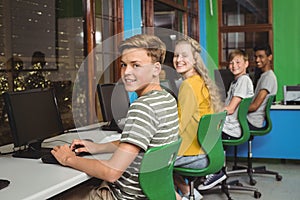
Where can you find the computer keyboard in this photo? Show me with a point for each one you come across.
(30, 153)
(50, 159)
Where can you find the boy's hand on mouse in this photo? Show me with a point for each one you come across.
(79, 146)
(63, 154)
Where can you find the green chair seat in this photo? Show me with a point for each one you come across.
(268, 126)
(209, 137)
(156, 172)
(242, 118)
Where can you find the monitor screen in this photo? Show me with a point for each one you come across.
(165, 84)
(33, 116)
(291, 94)
(114, 103)
(223, 79)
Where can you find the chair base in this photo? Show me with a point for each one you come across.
(249, 169)
(234, 185)
(253, 170)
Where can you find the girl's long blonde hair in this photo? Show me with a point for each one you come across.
(201, 69)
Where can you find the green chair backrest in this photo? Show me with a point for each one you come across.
(209, 137)
(156, 172)
(242, 118)
(268, 126)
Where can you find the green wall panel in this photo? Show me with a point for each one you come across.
(286, 30)
(286, 27)
(212, 34)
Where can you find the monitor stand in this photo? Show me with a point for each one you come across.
(33, 151)
(111, 126)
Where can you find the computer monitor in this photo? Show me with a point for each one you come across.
(114, 104)
(223, 79)
(165, 84)
(33, 116)
(291, 94)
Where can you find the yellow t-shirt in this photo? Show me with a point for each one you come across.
(193, 102)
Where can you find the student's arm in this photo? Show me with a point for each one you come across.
(262, 94)
(233, 104)
(108, 170)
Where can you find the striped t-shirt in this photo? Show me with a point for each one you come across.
(152, 121)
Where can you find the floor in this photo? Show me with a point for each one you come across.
(286, 189)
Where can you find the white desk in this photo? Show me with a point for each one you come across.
(285, 107)
(283, 140)
(32, 179)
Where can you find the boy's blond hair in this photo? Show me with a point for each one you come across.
(238, 52)
(155, 48)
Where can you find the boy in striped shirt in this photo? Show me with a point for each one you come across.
(152, 121)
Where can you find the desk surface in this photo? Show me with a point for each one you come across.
(32, 179)
(285, 107)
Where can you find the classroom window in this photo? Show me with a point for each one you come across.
(243, 24)
(177, 15)
(43, 44)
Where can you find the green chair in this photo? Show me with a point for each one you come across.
(209, 137)
(156, 172)
(242, 118)
(260, 132)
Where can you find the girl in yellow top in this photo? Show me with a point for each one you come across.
(197, 96)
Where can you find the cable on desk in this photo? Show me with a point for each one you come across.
(14, 150)
(30, 147)
(6, 153)
(64, 141)
(81, 130)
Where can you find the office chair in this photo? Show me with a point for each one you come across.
(168, 88)
(209, 137)
(242, 118)
(156, 172)
(258, 132)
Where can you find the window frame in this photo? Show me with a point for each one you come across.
(178, 5)
(243, 29)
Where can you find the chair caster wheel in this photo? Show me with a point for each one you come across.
(278, 177)
(252, 182)
(257, 195)
(239, 184)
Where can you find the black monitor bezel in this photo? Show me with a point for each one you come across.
(223, 79)
(11, 117)
(106, 104)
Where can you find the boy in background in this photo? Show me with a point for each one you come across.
(266, 86)
(240, 88)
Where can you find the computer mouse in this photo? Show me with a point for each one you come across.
(4, 183)
(79, 145)
(81, 153)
